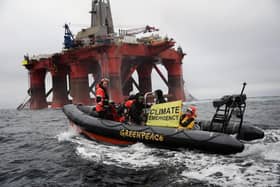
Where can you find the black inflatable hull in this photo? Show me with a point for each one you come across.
(247, 132)
(126, 134)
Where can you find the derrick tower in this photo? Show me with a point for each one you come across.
(96, 52)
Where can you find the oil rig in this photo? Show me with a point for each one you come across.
(97, 52)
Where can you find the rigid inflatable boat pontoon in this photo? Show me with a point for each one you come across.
(215, 136)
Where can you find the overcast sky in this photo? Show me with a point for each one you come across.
(227, 41)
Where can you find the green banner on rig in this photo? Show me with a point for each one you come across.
(165, 114)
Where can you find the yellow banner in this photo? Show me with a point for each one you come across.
(165, 114)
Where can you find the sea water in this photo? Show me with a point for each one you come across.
(38, 148)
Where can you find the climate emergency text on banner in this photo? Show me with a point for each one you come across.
(165, 114)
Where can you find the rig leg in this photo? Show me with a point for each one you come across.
(37, 89)
(144, 74)
(114, 72)
(127, 88)
(59, 82)
(79, 86)
(175, 80)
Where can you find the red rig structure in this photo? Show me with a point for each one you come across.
(99, 52)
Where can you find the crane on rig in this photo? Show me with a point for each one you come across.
(132, 32)
(68, 37)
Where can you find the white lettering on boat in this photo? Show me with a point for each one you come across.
(150, 136)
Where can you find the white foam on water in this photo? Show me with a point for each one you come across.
(269, 151)
(216, 174)
(136, 156)
(272, 152)
(257, 165)
(222, 171)
(268, 148)
(87, 154)
(67, 136)
(87, 149)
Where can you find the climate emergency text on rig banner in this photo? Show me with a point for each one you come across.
(165, 114)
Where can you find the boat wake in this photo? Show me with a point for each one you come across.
(267, 149)
(255, 166)
(67, 135)
(135, 156)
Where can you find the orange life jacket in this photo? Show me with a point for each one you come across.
(99, 107)
(100, 92)
(127, 106)
(101, 95)
(129, 103)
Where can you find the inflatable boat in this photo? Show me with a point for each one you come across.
(224, 134)
(117, 133)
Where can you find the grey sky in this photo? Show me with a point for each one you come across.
(227, 41)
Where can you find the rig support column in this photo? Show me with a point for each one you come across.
(127, 88)
(59, 82)
(114, 72)
(79, 88)
(144, 75)
(37, 89)
(175, 80)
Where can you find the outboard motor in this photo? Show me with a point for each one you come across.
(228, 117)
(226, 107)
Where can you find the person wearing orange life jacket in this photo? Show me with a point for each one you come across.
(188, 120)
(113, 113)
(105, 108)
(127, 106)
(102, 97)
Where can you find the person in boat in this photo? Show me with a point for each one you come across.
(159, 98)
(105, 108)
(101, 90)
(135, 112)
(188, 119)
(102, 98)
(127, 106)
(112, 113)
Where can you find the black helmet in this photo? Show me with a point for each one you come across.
(158, 93)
